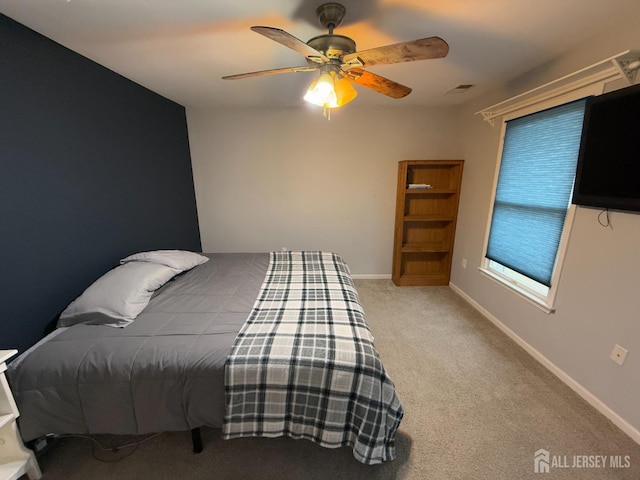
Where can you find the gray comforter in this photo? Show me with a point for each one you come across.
(164, 372)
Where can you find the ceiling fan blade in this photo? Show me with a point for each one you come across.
(422, 49)
(378, 83)
(273, 71)
(291, 42)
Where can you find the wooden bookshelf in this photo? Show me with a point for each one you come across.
(426, 221)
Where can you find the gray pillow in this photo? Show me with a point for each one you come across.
(179, 259)
(118, 297)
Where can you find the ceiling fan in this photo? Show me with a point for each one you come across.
(339, 63)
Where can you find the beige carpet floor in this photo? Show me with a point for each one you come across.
(476, 407)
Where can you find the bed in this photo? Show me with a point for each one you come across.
(264, 344)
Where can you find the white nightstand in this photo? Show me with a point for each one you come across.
(15, 458)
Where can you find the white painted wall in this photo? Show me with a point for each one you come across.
(598, 302)
(272, 178)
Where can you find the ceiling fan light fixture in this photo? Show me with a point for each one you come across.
(344, 91)
(330, 90)
(322, 92)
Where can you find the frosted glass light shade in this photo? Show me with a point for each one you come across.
(330, 91)
(321, 92)
(344, 91)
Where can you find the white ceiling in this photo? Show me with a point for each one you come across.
(181, 48)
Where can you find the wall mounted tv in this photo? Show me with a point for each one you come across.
(608, 171)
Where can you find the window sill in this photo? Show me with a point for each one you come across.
(521, 292)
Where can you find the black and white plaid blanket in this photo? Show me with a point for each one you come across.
(304, 363)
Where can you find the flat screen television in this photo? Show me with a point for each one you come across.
(608, 170)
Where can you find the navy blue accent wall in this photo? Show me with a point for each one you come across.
(93, 167)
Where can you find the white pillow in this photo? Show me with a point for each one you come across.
(118, 297)
(179, 259)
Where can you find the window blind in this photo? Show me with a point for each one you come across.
(537, 171)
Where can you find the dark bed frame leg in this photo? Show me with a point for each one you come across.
(196, 439)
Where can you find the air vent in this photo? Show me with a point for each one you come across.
(461, 88)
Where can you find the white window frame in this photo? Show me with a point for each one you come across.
(514, 281)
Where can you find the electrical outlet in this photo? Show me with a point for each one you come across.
(618, 354)
(464, 263)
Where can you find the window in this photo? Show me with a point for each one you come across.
(531, 207)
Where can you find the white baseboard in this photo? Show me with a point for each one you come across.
(371, 276)
(594, 401)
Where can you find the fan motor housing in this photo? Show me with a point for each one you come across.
(333, 46)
